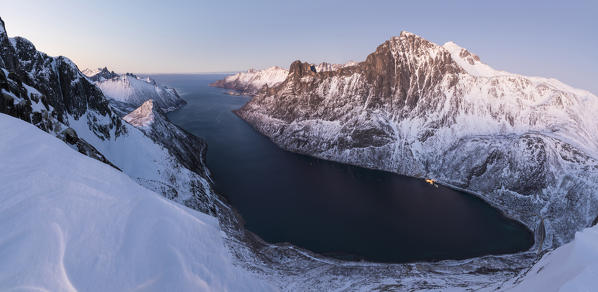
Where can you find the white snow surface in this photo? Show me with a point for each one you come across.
(258, 78)
(470, 62)
(143, 116)
(84, 226)
(90, 72)
(571, 267)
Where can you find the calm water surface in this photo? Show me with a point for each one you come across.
(330, 208)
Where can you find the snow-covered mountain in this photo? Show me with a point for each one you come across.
(51, 93)
(129, 91)
(85, 226)
(250, 82)
(71, 223)
(528, 145)
(75, 212)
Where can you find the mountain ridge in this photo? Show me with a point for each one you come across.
(52, 94)
(429, 111)
(128, 91)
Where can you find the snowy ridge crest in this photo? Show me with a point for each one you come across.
(252, 81)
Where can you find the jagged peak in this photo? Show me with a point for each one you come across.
(406, 33)
(299, 68)
(100, 74)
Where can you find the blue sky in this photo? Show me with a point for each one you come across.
(539, 38)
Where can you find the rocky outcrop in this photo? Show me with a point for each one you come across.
(527, 145)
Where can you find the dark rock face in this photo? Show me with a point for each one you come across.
(58, 80)
(411, 108)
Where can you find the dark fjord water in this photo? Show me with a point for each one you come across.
(330, 208)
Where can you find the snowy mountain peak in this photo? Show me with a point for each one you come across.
(470, 62)
(405, 33)
(89, 72)
(143, 116)
(252, 80)
(129, 91)
(100, 74)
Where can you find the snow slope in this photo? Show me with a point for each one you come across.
(253, 80)
(84, 226)
(143, 116)
(571, 267)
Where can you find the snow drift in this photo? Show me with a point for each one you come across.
(85, 226)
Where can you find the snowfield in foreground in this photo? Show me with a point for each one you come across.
(69, 222)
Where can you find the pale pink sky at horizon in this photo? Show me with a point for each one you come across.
(536, 38)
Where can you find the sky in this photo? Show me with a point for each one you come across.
(556, 39)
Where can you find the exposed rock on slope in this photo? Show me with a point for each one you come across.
(127, 92)
(528, 145)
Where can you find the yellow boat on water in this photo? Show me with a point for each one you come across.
(431, 181)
